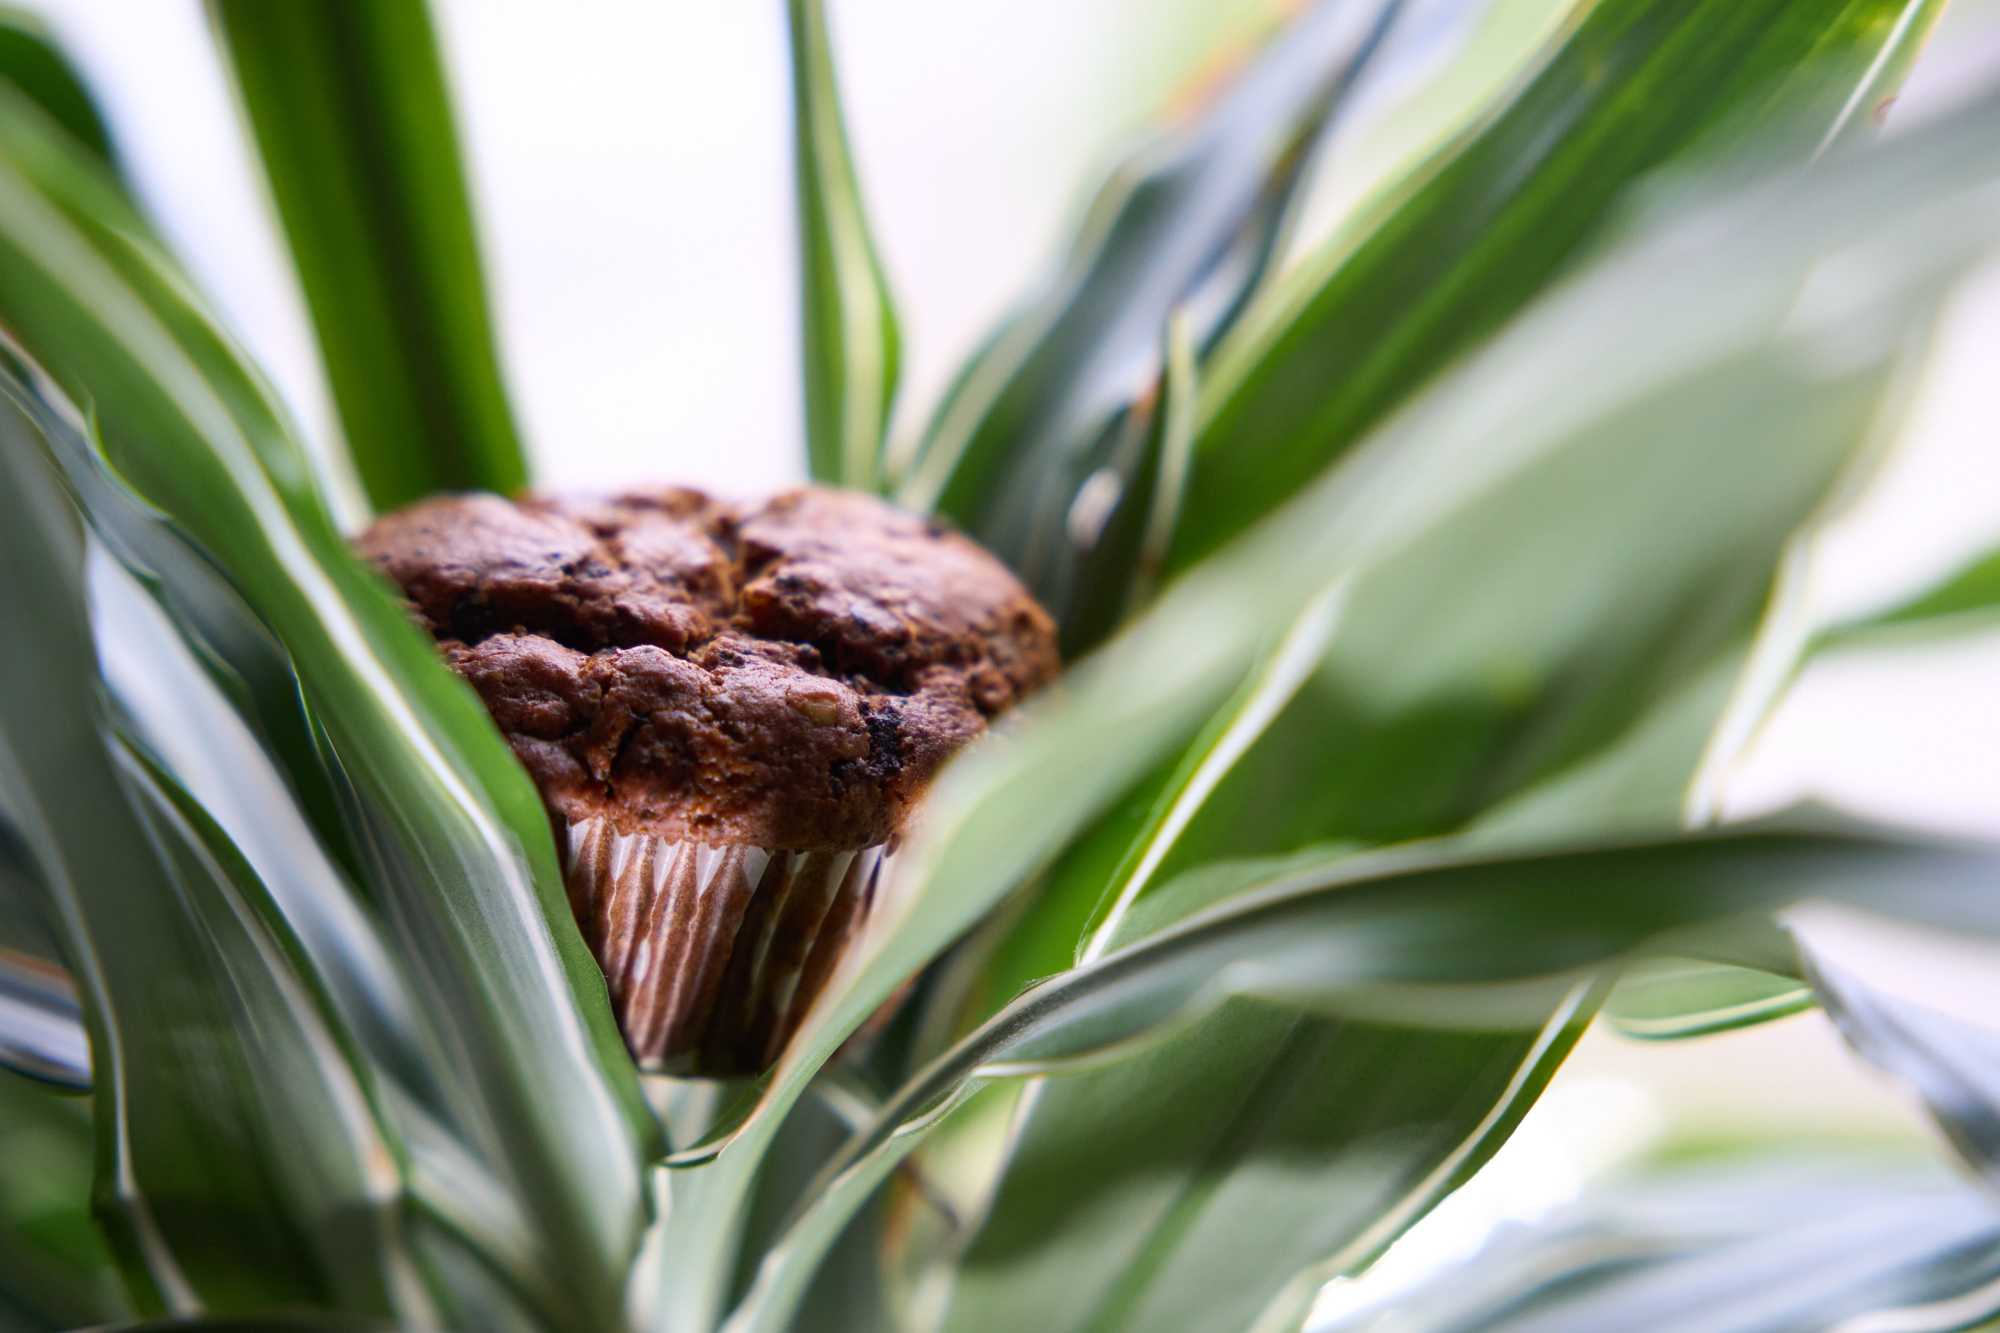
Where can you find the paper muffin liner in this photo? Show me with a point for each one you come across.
(713, 954)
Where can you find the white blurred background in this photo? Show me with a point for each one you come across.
(631, 166)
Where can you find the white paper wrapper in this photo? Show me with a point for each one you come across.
(713, 954)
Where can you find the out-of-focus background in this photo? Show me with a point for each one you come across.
(631, 167)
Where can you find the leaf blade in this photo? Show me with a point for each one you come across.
(1189, 224)
(354, 125)
(165, 945)
(33, 61)
(1815, 1241)
(454, 834)
(851, 345)
(1494, 219)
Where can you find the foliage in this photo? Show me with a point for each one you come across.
(1418, 593)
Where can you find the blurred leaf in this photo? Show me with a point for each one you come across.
(53, 1259)
(302, 1119)
(1966, 600)
(1055, 1243)
(1265, 1141)
(1483, 229)
(1121, 538)
(1571, 679)
(852, 348)
(217, 699)
(237, 654)
(1498, 665)
(1645, 778)
(23, 932)
(1951, 1064)
(1037, 423)
(1230, 733)
(452, 832)
(255, 1323)
(848, 1292)
(223, 1093)
(1098, 879)
(1668, 998)
(352, 117)
(42, 1034)
(1378, 933)
(1437, 934)
(33, 61)
(1728, 1248)
(181, 660)
(1510, 439)
(1179, 1189)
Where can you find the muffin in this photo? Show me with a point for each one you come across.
(729, 710)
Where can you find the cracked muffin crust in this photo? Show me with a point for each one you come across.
(686, 677)
(789, 674)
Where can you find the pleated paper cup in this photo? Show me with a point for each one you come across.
(713, 954)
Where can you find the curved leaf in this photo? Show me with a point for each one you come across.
(1513, 432)
(32, 60)
(850, 345)
(451, 831)
(1951, 1063)
(1472, 938)
(54, 1265)
(1037, 424)
(1266, 1143)
(1670, 998)
(1484, 228)
(1966, 600)
(1383, 931)
(1122, 519)
(207, 1116)
(348, 102)
(1531, 658)
(255, 1323)
(1809, 1242)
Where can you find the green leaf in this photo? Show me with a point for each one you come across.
(32, 60)
(455, 839)
(180, 667)
(53, 1259)
(1265, 1142)
(1669, 998)
(851, 347)
(1060, 1250)
(257, 1323)
(848, 1292)
(301, 1149)
(224, 1092)
(1503, 693)
(1037, 431)
(1376, 930)
(237, 653)
(1440, 934)
(1725, 345)
(1485, 226)
(1121, 539)
(1797, 1241)
(1966, 600)
(348, 102)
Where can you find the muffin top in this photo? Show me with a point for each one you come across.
(788, 673)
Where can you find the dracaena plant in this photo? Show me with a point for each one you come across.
(1419, 594)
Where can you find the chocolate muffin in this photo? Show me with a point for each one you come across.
(729, 710)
